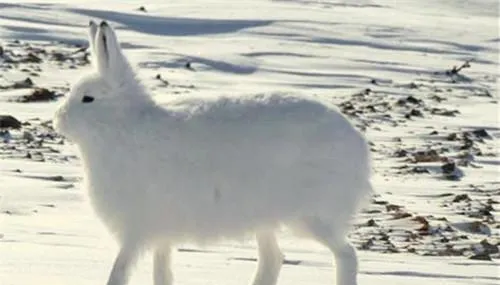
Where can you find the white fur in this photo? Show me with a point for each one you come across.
(205, 170)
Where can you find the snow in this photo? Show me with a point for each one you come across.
(328, 49)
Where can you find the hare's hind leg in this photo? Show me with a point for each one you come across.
(333, 237)
(270, 259)
(123, 263)
(162, 272)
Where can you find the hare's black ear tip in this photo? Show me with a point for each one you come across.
(92, 23)
(104, 24)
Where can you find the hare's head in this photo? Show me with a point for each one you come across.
(97, 101)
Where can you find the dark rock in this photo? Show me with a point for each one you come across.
(488, 247)
(481, 256)
(401, 153)
(9, 122)
(452, 137)
(468, 143)
(416, 113)
(31, 58)
(57, 56)
(413, 85)
(419, 169)
(438, 98)
(142, 9)
(426, 156)
(401, 215)
(413, 100)
(371, 223)
(367, 244)
(481, 133)
(392, 207)
(421, 219)
(444, 112)
(392, 248)
(371, 108)
(39, 94)
(491, 201)
(26, 83)
(189, 66)
(460, 198)
(448, 168)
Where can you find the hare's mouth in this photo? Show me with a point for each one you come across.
(57, 122)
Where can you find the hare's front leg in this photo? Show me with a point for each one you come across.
(123, 263)
(270, 259)
(162, 272)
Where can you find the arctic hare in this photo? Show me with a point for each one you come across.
(212, 169)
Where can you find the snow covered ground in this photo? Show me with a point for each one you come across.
(388, 64)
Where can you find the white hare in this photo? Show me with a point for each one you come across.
(212, 169)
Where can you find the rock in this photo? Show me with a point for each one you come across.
(420, 170)
(26, 83)
(451, 251)
(421, 219)
(414, 113)
(392, 207)
(371, 223)
(491, 201)
(367, 244)
(401, 153)
(481, 256)
(28, 136)
(401, 215)
(488, 247)
(5, 136)
(39, 94)
(189, 66)
(481, 133)
(9, 122)
(460, 198)
(413, 100)
(426, 156)
(450, 171)
(58, 56)
(30, 58)
(412, 85)
(479, 228)
(444, 112)
(391, 248)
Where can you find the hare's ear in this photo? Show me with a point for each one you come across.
(110, 60)
(92, 47)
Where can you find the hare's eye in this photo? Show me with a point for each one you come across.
(87, 99)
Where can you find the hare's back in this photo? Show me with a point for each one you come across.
(290, 154)
(232, 166)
